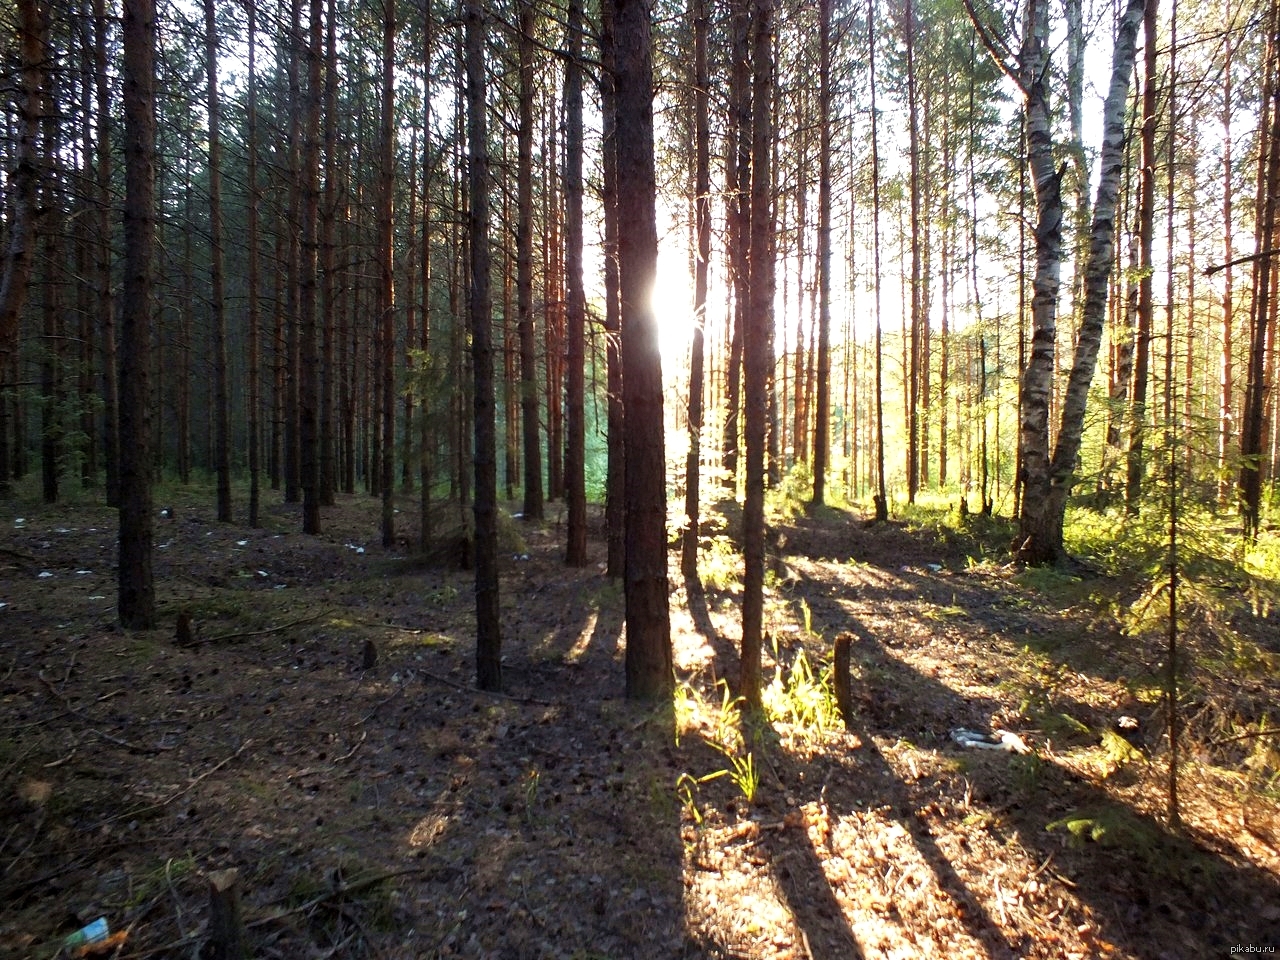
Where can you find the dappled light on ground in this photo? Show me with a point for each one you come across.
(322, 735)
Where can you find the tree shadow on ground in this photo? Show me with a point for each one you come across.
(1140, 886)
(724, 662)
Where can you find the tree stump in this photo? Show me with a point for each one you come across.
(840, 677)
(226, 929)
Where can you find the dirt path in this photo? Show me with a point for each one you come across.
(388, 810)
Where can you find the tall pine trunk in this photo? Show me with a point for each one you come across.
(479, 311)
(702, 235)
(308, 269)
(221, 400)
(136, 602)
(757, 351)
(252, 279)
(21, 224)
(533, 498)
(649, 660)
(575, 306)
(1256, 386)
(822, 417)
(881, 498)
(615, 492)
(386, 271)
(1146, 237)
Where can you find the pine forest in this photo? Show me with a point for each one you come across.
(639, 479)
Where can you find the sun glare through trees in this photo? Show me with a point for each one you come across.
(639, 478)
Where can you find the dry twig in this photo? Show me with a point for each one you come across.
(228, 637)
(160, 804)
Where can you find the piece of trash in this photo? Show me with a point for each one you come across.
(1127, 723)
(356, 548)
(263, 573)
(519, 556)
(3, 605)
(996, 740)
(45, 575)
(94, 932)
(96, 596)
(35, 792)
(242, 543)
(935, 567)
(103, 947)
(19, 521)
(81, 573)
(279, 586)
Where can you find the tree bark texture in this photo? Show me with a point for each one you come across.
(136, 595)
(21, 222)
(1046, 504)
(615, 492)
(575, 481)
(757, 355)
(533, 499)
(702, 237)
(649, 655)
(822, 417)
(221, 398)
(479, 310)
(386, 265)
(308, 275)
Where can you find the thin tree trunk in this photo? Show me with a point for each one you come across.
(488, 621)
(308, 360)
(292, 322)
(881, 498)
(916, 372)
(738, 187)
(701, 16)
(51, 352)
(21, 225)
(1038, 374)
(221, 400)
(426, 451)
(136, 602)
(102, 261)
(615, 493)
(822, 417)
(533, 499)
(386, 271)
(1146, 236)
(575, 297)
(1046, 541)
(252, 279)
(756, 351)
(1226, 375)
(330, 314)
(1256, 386)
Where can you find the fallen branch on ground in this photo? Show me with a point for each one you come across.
(160, 804)
(228, 637)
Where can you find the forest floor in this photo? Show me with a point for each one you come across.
(387, 809)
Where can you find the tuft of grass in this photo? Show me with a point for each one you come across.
(790, 499)
(803, 697)
(720, 564)
(160, 877)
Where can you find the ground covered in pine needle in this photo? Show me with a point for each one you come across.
(320, 736)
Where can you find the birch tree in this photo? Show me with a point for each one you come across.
(1048, 472)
